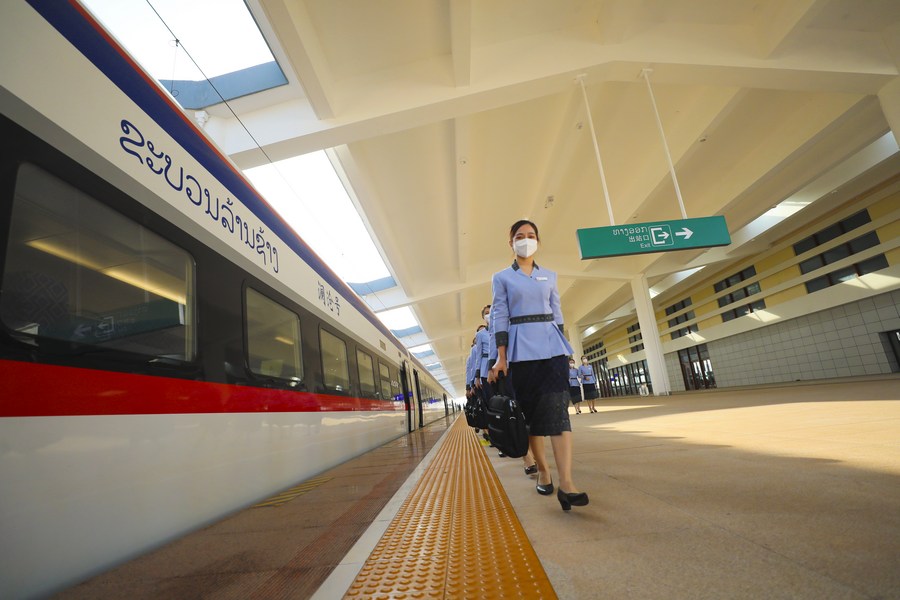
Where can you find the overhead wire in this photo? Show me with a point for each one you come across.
(178, 44)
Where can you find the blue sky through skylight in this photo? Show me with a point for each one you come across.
(220, 35)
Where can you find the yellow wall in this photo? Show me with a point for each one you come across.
(890, 231)
(773, 262)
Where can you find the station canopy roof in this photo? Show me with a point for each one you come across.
(447, 120)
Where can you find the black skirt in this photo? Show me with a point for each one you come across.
(575, 393)
(541, 387)
(590, 391)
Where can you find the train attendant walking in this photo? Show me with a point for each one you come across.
(470, 370)
(480, 357)
(488, 358)
(591, 389)
(574, 386)
(532, 351)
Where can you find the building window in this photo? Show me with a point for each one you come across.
(637, 337)
(840, 252)
(893, 341)
(681, 318)
(739, 294)
(627, 380)
(696, 368)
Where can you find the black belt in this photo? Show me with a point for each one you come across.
(530, 319)
(484, 355)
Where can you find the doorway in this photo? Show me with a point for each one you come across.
(696, 368)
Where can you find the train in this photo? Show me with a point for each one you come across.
(170, 350)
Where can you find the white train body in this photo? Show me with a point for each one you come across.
(103, 457)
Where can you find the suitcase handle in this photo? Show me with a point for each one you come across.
(504, 386)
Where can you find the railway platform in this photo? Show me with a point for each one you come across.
(764, 492)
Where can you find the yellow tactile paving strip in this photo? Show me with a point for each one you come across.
(288, 495)
(456, 536)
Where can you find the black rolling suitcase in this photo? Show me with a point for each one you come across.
(506, 423)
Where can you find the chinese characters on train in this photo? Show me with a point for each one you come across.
(329, 299)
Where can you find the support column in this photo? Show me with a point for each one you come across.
(650, 334)
(889, 97)
(574, 336)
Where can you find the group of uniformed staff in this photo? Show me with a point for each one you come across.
(522, 339)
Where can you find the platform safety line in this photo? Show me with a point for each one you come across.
(288, 495)
(455, 536)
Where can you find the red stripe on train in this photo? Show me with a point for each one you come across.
(38, 390)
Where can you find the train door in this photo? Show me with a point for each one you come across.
(407, 395)
(419, 399)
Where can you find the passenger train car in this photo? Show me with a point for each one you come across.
(170, 350)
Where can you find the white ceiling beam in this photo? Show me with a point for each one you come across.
(780, 22)
(295, 31)
(462, 131)
(616, 20)
(397, 100)
(461, 41)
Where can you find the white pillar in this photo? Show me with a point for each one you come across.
(650, 336)
(889, 97)
(575, 341)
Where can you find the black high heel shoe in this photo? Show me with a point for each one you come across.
(531, 470)
(544, 489)
(567, 501)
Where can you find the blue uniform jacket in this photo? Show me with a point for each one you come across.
(587, 374)
(492, 343)
(482, 352)
(519, 295)
(470, 366)
(573, 378)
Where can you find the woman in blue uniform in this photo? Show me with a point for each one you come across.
(574, 386)
(470, 370)
(531, 349)
(591, 392)
(488, 358)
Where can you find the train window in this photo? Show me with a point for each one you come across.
(334, 362)
(79, 272)
(273, 338)
(385, 374)
(366, 374)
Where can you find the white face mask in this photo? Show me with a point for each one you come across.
(487, 317)
(525, 247)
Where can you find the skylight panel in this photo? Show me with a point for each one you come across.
(309, 196)
(180, 42)
(398, 318)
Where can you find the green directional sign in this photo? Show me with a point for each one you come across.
(659, 236)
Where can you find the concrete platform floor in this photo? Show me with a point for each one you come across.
(781, 492)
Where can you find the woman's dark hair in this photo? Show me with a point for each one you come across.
(518, 224)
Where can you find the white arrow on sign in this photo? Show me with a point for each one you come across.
(687, 233)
